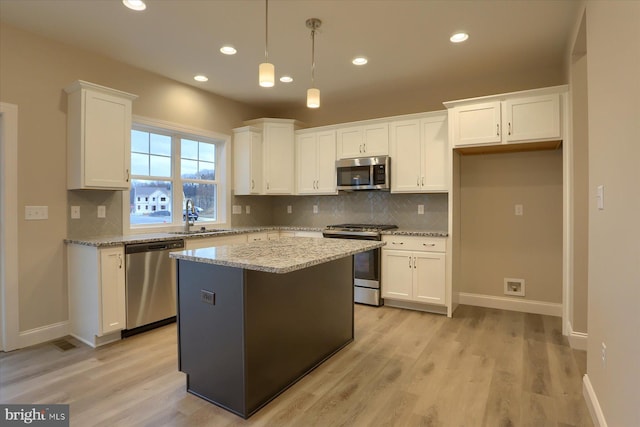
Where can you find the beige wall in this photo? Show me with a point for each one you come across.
(613, 67)
(33, 73)
(580, 185)
(497, 244)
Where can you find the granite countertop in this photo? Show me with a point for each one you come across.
(159, 237)
(278, 256)
(420, 233)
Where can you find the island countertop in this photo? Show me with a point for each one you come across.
(278, 256)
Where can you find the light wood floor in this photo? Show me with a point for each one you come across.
(483, 367)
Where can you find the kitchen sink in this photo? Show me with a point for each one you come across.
(191, 232)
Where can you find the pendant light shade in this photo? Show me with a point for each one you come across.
(313, 97)
(266, 70)
(313, 94)
(266, 74)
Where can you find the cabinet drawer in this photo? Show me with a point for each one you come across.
(413, 243)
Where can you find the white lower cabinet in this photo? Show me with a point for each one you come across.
(97, 307)
(413, 269)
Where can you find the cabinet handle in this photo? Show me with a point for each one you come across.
(360, 148)
(253, 184)
(120, 259)
(423, 181)
(414, 262)
(267, 185)
(428, 244)
(418, 181)
(364, 148)
(409, 262)
(497, 129)
(509, 128)
(397, 243)
(128, 176)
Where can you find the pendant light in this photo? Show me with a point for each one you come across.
(266, 71)
(313, 94)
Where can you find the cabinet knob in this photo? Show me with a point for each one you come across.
(120, 260)
(509, 128)
(128, 175)
(252, 184)
(497, 130)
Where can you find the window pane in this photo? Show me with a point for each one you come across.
(207, 170)
(160, 166)
(204, 198)
(142, 208)
(207, 152)
(139, 141)
(189, 169)
(160, 144)
(189, 149)
(139, 164)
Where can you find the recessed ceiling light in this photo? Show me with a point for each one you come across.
(200, 78)
(459, 37)
(286, 79)
(137, 5)
(228, 50)
(359, 60)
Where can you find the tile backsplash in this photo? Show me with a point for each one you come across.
(89, 225)
(357, 207)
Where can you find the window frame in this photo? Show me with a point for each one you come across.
(223, 176)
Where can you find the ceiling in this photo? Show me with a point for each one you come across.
(406, 41)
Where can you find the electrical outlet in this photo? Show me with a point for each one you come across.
(519, 210)
(102, 211)
(420, 209)
(514, 287)
(75, 212)
(600, 197)
(289, 209)
(236, 209)
(247, 209)
(315, 209)
(603, 355)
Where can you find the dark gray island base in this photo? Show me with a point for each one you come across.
(245, 336)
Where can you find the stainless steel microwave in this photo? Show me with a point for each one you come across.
(364, 173)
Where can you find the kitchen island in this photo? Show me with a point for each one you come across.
(254, 318)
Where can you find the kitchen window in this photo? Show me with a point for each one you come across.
(169, 166)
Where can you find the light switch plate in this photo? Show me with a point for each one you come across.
(519, 210)
(289, 209)
(36, 212)
(420, 209)
(315, 209)
(237, 209)
(600, 197)
(102, 211)
(75, 212)
(247, 209)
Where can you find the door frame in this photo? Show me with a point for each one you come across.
(9, 329)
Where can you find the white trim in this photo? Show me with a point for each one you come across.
(9, 331)
(437, 309)
(597, 416)
(577, 340)
(44, 334)
(504, 303)
(567, 210)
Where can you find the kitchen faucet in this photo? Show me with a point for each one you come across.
(187, 218)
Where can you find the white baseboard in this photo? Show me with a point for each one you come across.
(577, 340)
(43, 334)
(597, 416)
(513, 304)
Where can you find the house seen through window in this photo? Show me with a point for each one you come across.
(167, 168)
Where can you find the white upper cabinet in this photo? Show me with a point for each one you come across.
(363, 140)
(264, 157)
(419, 151)
(98, 137)
(529, 116)
(247, 171)
(315, 162)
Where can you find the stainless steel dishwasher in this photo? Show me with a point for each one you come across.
(150, 285)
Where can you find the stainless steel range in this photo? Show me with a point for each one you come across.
(366, 265)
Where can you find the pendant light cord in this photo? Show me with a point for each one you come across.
(266, 30)
(313, 56)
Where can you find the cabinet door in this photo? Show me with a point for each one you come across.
(306, 161)
(397, 274)
(106, 139)
(278, 148)
(326, 178)
(112, 290)
(534, 118)
(376, 139)
(429, 277)
(350, 142)
(406, 159)
(477, 124)
(435, 149)
(247, 162)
